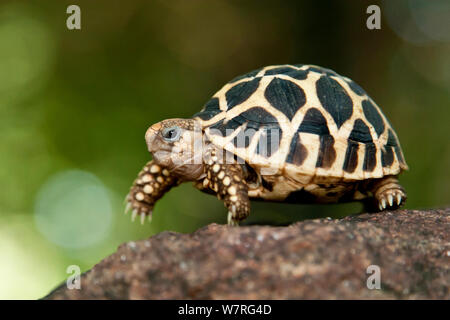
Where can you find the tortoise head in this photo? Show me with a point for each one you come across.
(176, 144)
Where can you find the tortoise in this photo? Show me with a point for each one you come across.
(286, 133)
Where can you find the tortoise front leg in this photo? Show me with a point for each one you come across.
(388, 193)
(151, 184)
(227, 181)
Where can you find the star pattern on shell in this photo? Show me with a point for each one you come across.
(326, 124)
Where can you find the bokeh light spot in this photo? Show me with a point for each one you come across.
(420, 22)
(73, 209)
(26, 53)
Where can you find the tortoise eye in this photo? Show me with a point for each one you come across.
(171, 134)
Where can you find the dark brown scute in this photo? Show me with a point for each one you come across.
(360, 132)
(288, 71)
(286, 96)
(297, 152)
(351, 157)
(370, 159)
(314, 122)
(392, 141)
(210, 110)
(279, 70)
(373, 116)
(241, 92)
(355, 87)
(269, 141)
(243, 138)
(224, 128)
(327, 153)
(335, 99)
(256, 117)
(387, 157)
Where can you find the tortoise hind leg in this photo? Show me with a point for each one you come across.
(388, 193)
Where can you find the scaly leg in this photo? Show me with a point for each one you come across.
(227, 181)
(388, 193)
(151, 184)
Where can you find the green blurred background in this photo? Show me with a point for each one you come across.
(74, 107)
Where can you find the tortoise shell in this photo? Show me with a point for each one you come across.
(314, 123)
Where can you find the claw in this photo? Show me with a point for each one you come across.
(391, 200)
(383, 203)
(133, 216)
(128, 207)
(399, 198)
(127, 199)
(380, 207)
(230, 220)
(142, 217)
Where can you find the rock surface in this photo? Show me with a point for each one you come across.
(314, 259)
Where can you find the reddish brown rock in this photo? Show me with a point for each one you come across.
(315, 259)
